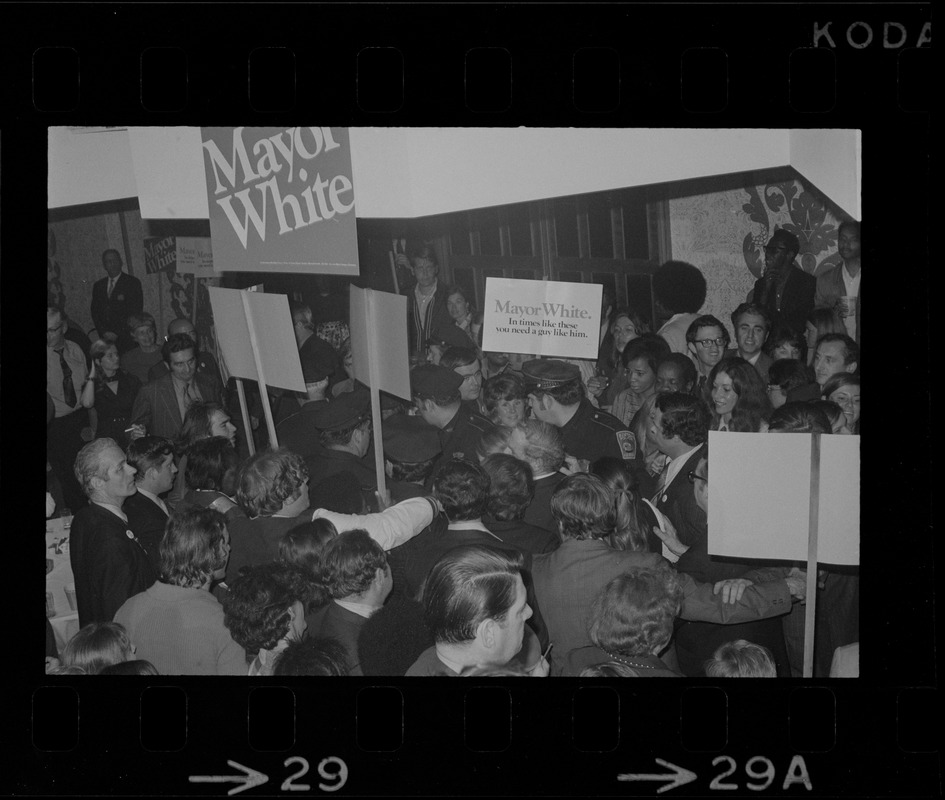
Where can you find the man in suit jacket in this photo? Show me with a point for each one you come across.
(359, 581)
(206, 363)
(752, 325)
(161, 404)
(153, 458)
(679, 427)
(568, 580)
(114, 299)
(697, 641)
(783, 290)
(109, 564)
(843, 280)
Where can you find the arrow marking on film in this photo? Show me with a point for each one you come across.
(250, 780)
(678, 777)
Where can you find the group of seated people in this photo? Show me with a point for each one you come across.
(541, 516)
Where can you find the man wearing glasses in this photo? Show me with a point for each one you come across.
(707, 340)
(783, 290)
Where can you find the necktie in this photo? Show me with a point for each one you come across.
(111, 285)
(190, 396)
(68, 390)
(661, 483)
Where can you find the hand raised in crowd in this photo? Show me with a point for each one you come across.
(383, 499)
(732, 589)
(136, 432)
(572, 465)
(401, 260)
(797, 583)
(596, 385)
(669, 538)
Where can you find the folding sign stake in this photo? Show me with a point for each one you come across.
(376, 418)
(811, 608)
(263, 394)
(247, 426)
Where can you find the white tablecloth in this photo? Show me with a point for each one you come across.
(66, 621)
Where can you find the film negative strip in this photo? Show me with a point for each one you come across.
(708, 68)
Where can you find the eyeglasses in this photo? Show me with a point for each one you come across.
(693, 478)
(720, 342)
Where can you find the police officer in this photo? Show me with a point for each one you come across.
(299, 431)
(436, 395)
(556, 396)
(344, 427)
(411, 449)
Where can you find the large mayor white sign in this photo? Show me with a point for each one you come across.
(542, 318)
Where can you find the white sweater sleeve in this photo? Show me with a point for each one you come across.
(389, 528)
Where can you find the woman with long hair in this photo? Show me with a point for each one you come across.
(738, 399)
(844, 390)
(635, 517)
(464, 315)
(111, 392)
(625, 326)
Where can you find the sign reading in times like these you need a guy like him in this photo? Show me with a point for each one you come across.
(281, 199)
(543, 318)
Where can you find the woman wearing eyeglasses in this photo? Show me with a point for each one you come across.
(738, 398)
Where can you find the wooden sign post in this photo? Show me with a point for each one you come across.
(762, 485)
(380, 356)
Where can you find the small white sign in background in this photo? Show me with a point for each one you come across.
(542, 318)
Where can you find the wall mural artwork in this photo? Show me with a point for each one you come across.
(795, 209)
(724, 233)
(55, 294)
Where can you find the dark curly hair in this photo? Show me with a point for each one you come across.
(752, 405)
(193, 547)
(350, 562)
(583, 506)
(463, 489)
(679, 287)
(511, 486)
(321, 657)
(633, 614)
(256, 608)
(684, 416)
(268, 479)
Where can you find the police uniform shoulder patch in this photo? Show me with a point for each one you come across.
(628, 444)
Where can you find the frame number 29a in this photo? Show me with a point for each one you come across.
(761, 772)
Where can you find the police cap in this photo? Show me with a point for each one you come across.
(432, 380)
(410, 439)
(345, 411)
(549, 373)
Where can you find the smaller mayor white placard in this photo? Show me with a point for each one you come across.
(542, 318)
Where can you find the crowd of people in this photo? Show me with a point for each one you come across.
(541, 517)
